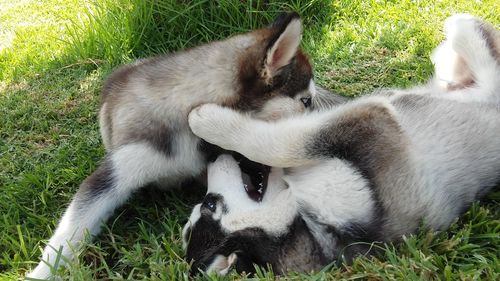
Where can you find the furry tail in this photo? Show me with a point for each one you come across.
(469, 57)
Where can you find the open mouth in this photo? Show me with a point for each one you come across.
(255, 176)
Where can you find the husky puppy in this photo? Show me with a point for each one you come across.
(369, 170)
(144, 125)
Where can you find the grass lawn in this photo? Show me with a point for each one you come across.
(54, 55)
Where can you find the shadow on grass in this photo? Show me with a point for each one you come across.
(117, 32)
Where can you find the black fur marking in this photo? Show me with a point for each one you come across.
(289, 81)
(210, 151)
(299, 250)
(204, 238)
(117, 80)
(253, 247)
(157, 134)
(292, 78)
(356, 239)
(489, 33)
(99, 182)
(210, 202)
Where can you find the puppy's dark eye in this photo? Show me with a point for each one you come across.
(210, 202)
(306, 101)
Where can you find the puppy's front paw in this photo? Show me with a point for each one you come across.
(205, 120)
(215, 124)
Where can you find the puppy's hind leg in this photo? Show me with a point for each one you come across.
(122, 172)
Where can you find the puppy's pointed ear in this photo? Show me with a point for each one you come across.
(287, 33)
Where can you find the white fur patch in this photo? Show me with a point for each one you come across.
(312, 88)
(445, 62)
(274, 218)
(333, 191)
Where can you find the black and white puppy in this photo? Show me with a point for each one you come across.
(369, 170)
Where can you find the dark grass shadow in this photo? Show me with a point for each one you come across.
(117, 33)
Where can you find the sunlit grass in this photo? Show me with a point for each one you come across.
(54, 56)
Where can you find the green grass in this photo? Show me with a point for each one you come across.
(54, 56)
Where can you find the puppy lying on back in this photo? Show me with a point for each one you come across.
(369, 170)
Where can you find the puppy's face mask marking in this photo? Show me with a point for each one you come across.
(237, 199)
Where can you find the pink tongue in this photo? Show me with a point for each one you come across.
(255, 176)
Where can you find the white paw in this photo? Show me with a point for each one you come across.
(41, 272)
(215, 124)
